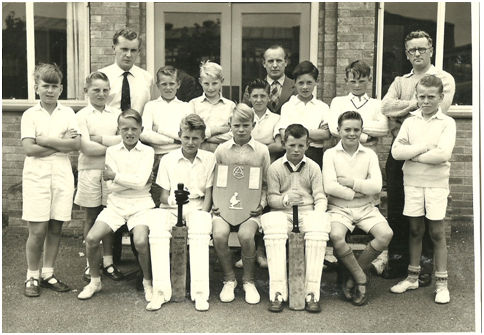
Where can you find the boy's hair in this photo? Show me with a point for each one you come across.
(211, 70)
(259, 83)
(359, 69)
(305, 67)
(243, 112)
(127, 34)
(350, 115)
(169, 71)
(430, 80)
(275, 47)
(95, 76)
(418, 34)
(296, 130)
(193, 122)
(131, 114)
(48, 72)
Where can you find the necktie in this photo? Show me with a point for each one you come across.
(125, 93)
(276, 89)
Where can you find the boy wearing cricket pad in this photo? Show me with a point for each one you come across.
(351, 179)
(243, 150)
(295, 179)
(49, 132)
(425, 142)
(194, 168)
(127, 173)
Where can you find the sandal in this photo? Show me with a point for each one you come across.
(58, 286)
(360, 296)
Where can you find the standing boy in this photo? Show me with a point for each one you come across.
(425, 142)
(49, 132)
(295, 179)
(351, 178)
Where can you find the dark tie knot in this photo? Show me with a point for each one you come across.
(125, 74)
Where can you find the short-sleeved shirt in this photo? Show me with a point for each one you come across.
(140, 84)
(263, 131)
(93, 122)
(311, 115)
(196, 177)
(36, 121)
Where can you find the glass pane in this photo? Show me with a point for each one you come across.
(191, 38)
(51, 36)
(458, 49)
(260, 31)
(14, 57)
(401, 19)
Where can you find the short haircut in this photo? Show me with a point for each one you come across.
(275, 47)
(127, 34)
(259, 83)
(349, 115)
(418, 34)
(359, 69)
(131, 114)
(193, 122)
(243, 112)
(296, 130)
(211, 70)
(97, 75)
(167, 70)
(305, 67)
(48, 72)
(430, 80)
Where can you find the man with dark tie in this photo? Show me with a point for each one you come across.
(130, 85)
(282, 87)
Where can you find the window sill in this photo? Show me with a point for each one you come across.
(460, 112)
(22, 105)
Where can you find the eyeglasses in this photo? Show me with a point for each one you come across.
(420, 50)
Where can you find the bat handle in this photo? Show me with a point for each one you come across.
(295, 219)
(179, 221)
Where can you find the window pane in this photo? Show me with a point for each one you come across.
(400, 19)
(51, 36)
(14, 57)
(458, 49)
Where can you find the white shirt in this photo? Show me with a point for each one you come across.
(213, 115)
(311, 115)
(264, 127)
(165, 117)
(140, 84)
(197, 176)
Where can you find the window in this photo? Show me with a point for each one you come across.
(36, 33)
(449, 25)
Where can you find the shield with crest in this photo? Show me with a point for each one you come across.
(237, 191)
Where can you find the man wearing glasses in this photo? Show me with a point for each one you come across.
(399, 101)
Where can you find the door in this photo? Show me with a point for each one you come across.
(235, 35)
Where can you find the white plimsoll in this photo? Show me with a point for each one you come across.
(251, 294)
(157, 300)
(380, 263)
(227, 294)
(442, 295)
(89, 290)
(404, 286)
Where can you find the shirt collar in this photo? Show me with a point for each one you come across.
(59, 106)
(264, 116)
(432, 70)
(251, 143)
(280, 80)
(339, 147)
(175, 100)
(312, 101)
(438, 115)
(294, 167)
(204, 98)
(120, 71)
(107, 109)
(362, 98)
(179, 155)
(137, 147)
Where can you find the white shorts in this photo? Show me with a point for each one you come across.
(365, 217)
(47, 189)
(91, 189)
(135, 212)
(428, 201)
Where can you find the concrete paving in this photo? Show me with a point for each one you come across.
(120, 308)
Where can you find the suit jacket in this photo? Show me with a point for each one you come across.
(287, 91)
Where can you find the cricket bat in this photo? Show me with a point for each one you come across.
(178, 260)
(296, 265)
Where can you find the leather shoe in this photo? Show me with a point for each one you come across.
(424, 279)
(58, 286)
(312, 306)
(276, 305)
(347, 290)
(32, 288)
(360, 296)
(115, 274)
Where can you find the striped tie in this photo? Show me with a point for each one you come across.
(276, 89)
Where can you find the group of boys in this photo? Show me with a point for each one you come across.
(335, 187)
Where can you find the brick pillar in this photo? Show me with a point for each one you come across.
(327, 50)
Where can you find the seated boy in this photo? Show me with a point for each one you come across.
(425, 142)
(295, 179)
(212, 107)
(127, 173)
(194, 168)
(244, 150)
(351, 178)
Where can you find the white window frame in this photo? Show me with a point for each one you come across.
(456, 111)
(22, 104)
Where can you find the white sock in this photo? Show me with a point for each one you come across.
(33, 274)
(147, 282)
(107, 260)
(95, 281)
(48, 272)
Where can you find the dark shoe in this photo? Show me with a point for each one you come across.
(32, 288)
(276, 305)
(86, 276)
(394, 271)
(424, 279)
(360, 296)
(347, 290)
(115, 274)
(312, 306)
(57, 286)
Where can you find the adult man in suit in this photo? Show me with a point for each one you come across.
(282, 87)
